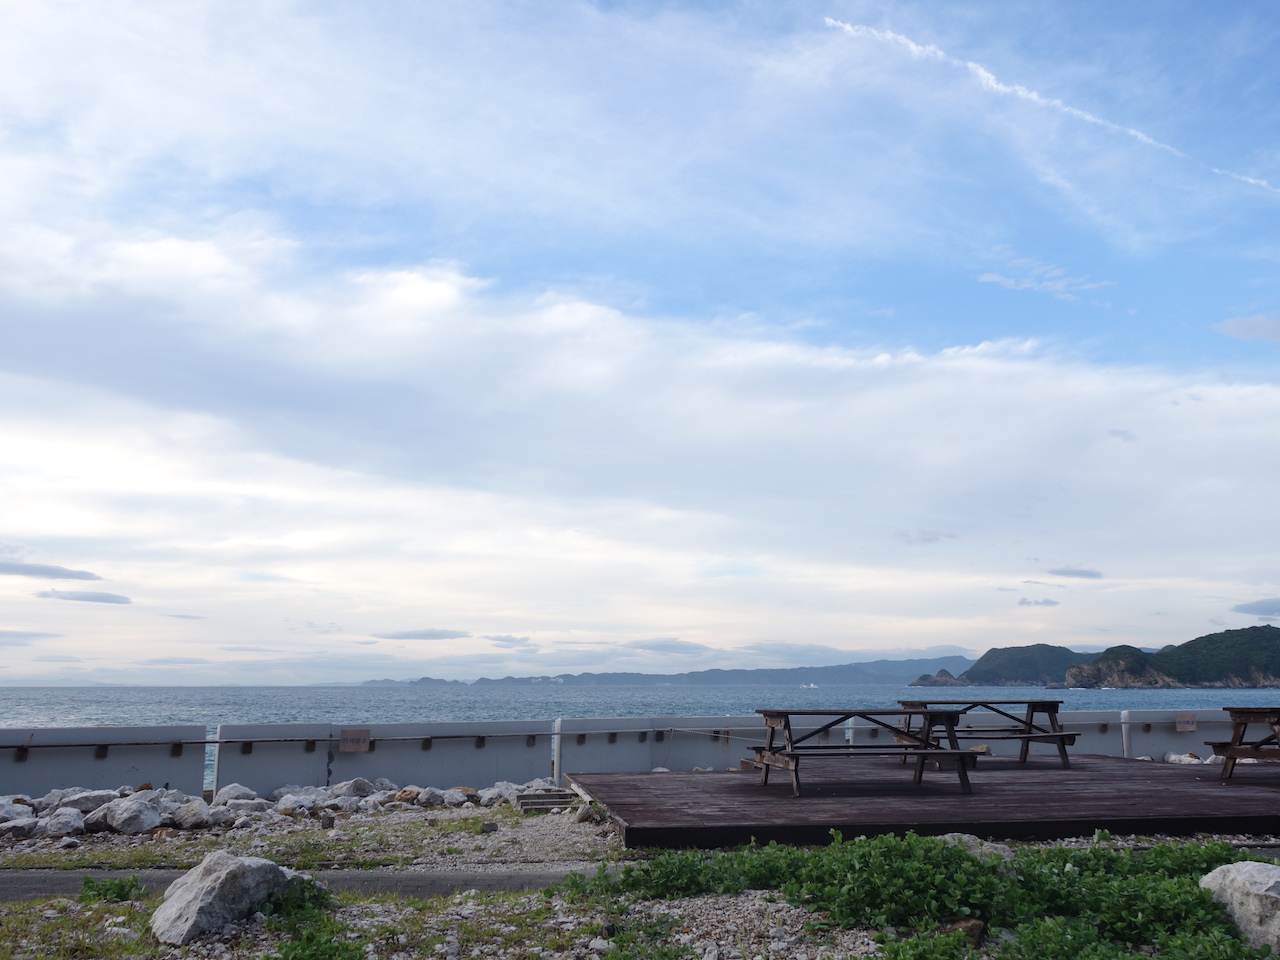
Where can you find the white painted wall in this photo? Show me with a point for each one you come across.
(48, 766)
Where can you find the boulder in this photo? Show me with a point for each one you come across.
(12, 811)
(343, 804)
(431, 797)
(504, 791)
(63, 822)
(291, 804)
(19, 828)
(454, 797)
(293, 789)
(242, 807)
(222, 889)
(129, 815)
(96, 822)
(1249, 892)
(192, 816)
(382, 783)
(53, 799)
(86, 801)
(233, 791)
(359, 787)
(982, 849)
(407, 795)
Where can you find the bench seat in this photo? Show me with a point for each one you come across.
(789, 760)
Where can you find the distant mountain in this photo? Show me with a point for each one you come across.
(1249, 657)
(893, 672)
(1032, 666)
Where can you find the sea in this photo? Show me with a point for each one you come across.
(356, 705)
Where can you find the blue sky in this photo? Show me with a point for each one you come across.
(476, 339)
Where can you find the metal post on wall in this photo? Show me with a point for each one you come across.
(555, 752)
(1126, 741)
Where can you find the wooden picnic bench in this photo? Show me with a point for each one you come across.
(1238, 747)
(1008, 725)
(917, 742)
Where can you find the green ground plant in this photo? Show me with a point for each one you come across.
(111, 890)
(1096, 903)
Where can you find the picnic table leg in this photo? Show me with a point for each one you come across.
(768, 748)
(1027, 724)
(1056, 726)
(1237, 738)
(965, 787)
(795, 776)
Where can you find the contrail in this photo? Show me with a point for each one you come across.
(988, 81)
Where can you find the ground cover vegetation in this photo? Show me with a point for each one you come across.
(1046, 903)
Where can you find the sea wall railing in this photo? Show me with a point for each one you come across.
(266, 756)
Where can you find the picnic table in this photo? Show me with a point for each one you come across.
(1013, 720)
(915, 741)
(1239, 747)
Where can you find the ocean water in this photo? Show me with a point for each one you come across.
(148, 706)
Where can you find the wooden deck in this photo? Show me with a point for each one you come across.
(1038, 801)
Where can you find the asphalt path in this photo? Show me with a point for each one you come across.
(48, 884)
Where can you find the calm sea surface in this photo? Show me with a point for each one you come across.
(147, 706)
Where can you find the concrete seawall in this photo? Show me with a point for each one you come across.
(265, 756)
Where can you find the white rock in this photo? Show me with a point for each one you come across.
(359, 787)
(382, 783)
(342, 804)
(86, 801)
(222, 889)
(241, 807)
(63, 822)
(130, 815)
(1250, 894)
(12, 811)
(292, 803)
(1181, 758)
(53, 799)
(19, 828)
(233, 791)
(980, 848)
(431, 797)
(192, 816)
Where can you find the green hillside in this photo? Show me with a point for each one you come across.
(1249, 657)
(1037, 664)
(1244, 655)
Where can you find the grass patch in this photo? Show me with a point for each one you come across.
(362, 844)
(1096, 903)
(73, 930)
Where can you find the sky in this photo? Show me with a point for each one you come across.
(458, 339)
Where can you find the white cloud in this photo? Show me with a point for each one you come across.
(541, 505)
(1260, 326)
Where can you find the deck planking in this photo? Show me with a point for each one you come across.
(1035, 801)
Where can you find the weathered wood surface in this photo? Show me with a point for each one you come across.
(1035, 800)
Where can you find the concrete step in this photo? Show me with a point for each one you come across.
(547, 800)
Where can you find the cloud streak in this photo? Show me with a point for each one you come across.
(84, 596)
(43, 571)
(988, 81)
